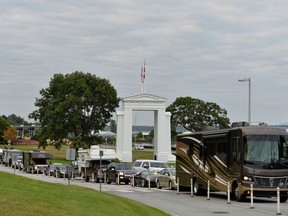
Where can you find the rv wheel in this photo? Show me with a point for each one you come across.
(236, 194)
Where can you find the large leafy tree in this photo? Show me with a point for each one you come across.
(74, 105)
(4, 125)
(195, 115)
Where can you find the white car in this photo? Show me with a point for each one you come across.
(151, 165)
(139, 147)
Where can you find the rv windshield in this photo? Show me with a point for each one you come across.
(265, 149)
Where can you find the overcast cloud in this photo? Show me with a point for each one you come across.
(196, 48)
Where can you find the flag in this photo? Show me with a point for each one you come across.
(143, 72)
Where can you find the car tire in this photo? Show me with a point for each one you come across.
(158, 185)
(108, 181)
(170, 185)
(143, 183)
(97, 180)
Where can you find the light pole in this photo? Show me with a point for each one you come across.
(249, 97)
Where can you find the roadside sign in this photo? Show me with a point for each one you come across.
(70, 154)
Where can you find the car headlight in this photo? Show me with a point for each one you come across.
(121, 173)
(248, 178)
(156, 172)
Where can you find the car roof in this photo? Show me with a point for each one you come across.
(149, 161)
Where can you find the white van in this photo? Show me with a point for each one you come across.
(151, 165)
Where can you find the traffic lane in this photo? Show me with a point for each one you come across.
(184, 204)
(169, 201)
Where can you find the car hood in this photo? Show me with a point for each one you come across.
(127, 172)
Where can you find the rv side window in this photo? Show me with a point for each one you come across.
(221, 151)
(217, 149)
(235, 149)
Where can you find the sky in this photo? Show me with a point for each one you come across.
(198, 48)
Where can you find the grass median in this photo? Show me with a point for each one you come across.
(26, 197)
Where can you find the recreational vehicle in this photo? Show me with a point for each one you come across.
(35, 161)
(89, 162)
(235, 158)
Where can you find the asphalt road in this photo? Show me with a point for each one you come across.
(173, 203)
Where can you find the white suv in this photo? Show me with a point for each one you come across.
(139, 147)
(152, 165)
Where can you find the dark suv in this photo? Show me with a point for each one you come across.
(123, 170)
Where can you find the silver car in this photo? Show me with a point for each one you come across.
(167, 178)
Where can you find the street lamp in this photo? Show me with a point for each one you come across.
(249, 97)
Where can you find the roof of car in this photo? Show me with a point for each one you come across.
(149, 161)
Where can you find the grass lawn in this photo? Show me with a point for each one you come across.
(26, 197)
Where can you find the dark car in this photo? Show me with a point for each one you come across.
(121, 171)
(142, 179)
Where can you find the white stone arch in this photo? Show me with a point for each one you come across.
(162, 127)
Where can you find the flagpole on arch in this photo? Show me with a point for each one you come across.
(143, 77)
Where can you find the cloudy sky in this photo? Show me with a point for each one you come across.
(196, 48)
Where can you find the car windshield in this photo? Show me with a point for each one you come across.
(62, 167)
(17, 153)
(55, 164)
(137, 164)
(159, 165)
(96, 164)
(265, 149)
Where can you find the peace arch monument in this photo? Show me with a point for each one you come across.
(162, 126)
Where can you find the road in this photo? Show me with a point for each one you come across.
(173, 203)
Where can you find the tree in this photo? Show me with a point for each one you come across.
(9, 134)
(75, 105)
(4, 125)
(16, 120)
(195, 115)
